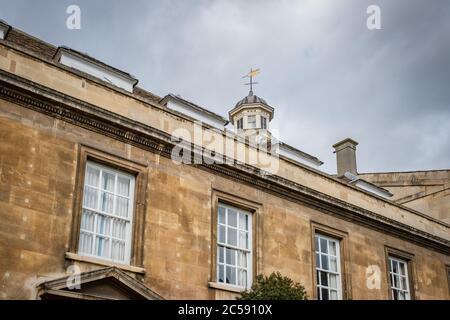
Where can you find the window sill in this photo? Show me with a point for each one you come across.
(77, 257)
(225, 287)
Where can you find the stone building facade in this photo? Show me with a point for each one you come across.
(90, 196)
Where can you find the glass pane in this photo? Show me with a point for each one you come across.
(318, 294)
(324, 259)
(324, 279)
(220, 275)
(85, 244)
(333, 281)
(394, 266)
(92, 175)
(123, 186)
(231, 275)
(333, 264)
(119, 229)
(103, 225)
(118, 250)
(87, 220)
(323, 245)
(243, 278)
(332, 248)
(122, 207)
(243, 240)
(230, 256)
(318, 277)
(221, 234)
(102, 247)
(232, 237)
(222, 215)
(318, 264)
(325, 294)
(108, 181)
(90, 198)
(316, 243)
(403, 282)
(401, 295)
(333, 295)
(396, 284)
(232, 218)
(221, 254)
(402, 269)
(242, 259)
(395, 294)
(107, 202)
(243, 221)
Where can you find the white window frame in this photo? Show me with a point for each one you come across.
(252, 124)
(97, 212)
(249, 251)
(338, 273)
(400, 276)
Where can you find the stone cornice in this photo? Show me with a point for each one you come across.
(55, 104)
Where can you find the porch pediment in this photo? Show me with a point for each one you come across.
(102, 284)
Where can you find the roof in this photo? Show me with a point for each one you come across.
(194, 106)
(47, 52)
(249, 100)
(300, 153)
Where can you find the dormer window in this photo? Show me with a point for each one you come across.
(263, 123)
(240, 124)
(251, 121)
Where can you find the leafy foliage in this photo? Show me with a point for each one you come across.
(274, 287)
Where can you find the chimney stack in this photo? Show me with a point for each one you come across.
(346, 157)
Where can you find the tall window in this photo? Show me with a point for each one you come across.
(107, 214)
(240, 123)
(234, 246)
(328, 268)
(399, 279)
(263, 123)
(251, 120)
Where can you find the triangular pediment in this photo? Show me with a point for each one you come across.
(102, 284)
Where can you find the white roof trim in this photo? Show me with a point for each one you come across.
(296, 155)
(367, 186)
(99, 71)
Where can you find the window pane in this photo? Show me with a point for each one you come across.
(333, 295)
(232, 237)
(324, 259)
(243, 239)
(243, 221)
(394, 266)
(221, 234)
(123, 186)
(232, 218)
(102, 247)
(333, 264)
(242, 259)
(221, 254)
(324, 279)
(122, 207)
(333, 281)
(108, 181)
(118, 250)
(318, 264)
(231, 256)
(231, 275)
(396, 284)
(220, 277)
(318, 277)
(119, 229)
(325, 294)
(242, 278)
(316, 243)
(90, 198)
(323, 245)
(222, 215)
(103, 225)
(87, 220)
(402, 268)
(332, 248)
(92, 176)
(403, 283)
(107, 202)
(85, 244)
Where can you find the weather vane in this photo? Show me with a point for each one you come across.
(250, 75)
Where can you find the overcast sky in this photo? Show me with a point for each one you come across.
(326, 74)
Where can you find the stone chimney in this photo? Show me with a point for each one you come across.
(346, 157)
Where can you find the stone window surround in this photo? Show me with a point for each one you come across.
(409, 258)
(139, 171)
(342, 237)
(256, 210)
